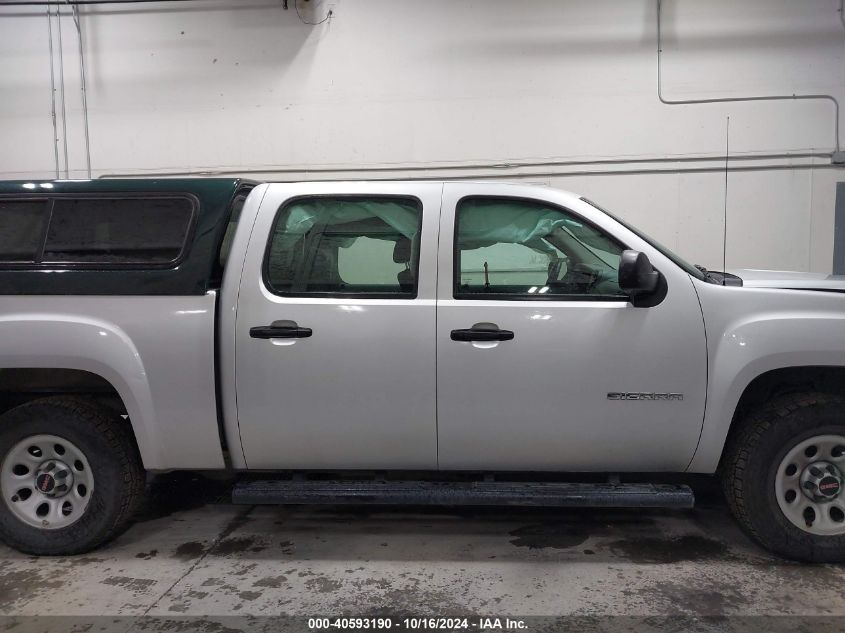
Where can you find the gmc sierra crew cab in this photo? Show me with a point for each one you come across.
(399, 342)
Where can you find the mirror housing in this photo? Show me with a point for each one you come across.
(637, 276)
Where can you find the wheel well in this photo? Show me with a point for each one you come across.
(790, 380)
(21, 385)
(778, 382)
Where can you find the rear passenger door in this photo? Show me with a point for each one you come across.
(335, 328)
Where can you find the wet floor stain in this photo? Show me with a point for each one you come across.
(323, 584)
(189, 550)
(655, 550)
(24, 584)
(243, 570)
(236, 523)
(554, 536)
(580, 526)
(271, 582)
(77, 561)
(815, 578)
(212, 582)
(237, 545)
(147, 555)
(698, 597)
(132, 584)
(379, 583)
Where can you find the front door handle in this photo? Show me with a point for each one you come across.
(482, 332)
(280, 329)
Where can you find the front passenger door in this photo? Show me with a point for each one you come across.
(534, 335)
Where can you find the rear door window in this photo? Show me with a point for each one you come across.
(358, 246)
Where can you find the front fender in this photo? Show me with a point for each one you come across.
(753, 331)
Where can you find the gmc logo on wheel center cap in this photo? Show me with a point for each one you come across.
(829, 486)
(45, 482)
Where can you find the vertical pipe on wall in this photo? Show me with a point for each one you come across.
(77, 21)
(62, 88)
(53, 91)
(839, 231)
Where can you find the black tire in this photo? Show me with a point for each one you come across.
(107, 443)
(749, 468)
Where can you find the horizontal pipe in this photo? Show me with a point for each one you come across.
(507, 165)
(304, 174)
(503, 165)
(291, 173)
(791, 97)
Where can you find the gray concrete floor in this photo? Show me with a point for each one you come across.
(206, 557)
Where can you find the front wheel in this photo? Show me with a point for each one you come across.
(70, 476)
(783, 474)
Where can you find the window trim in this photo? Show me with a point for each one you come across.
(496, 296)
(218, 269)
(50, 198)
(676, 259)
(415, 264)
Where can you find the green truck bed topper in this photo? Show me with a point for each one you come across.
(194, 273)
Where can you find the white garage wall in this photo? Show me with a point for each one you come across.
(559, 92)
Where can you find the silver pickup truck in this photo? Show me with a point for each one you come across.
(400, 342)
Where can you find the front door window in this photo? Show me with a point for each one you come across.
(524, 249)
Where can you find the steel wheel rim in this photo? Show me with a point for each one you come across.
(804, 485)
(46, 482)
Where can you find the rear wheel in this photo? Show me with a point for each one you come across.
(784, 476)
(70, 476)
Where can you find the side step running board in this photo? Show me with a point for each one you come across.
(567, 495)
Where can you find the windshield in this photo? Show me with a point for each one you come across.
(688, 268)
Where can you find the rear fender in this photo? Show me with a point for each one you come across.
(88, 344)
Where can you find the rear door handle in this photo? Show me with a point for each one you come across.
(280, 329)
(482, 332)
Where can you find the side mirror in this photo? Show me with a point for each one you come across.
(636, 274)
